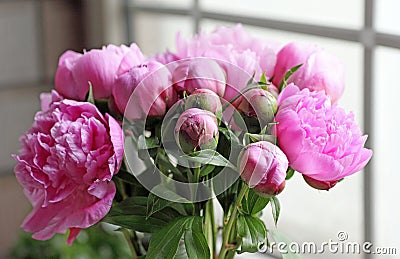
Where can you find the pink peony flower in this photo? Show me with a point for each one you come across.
(166, 57)
(196, 129)
(99, 67)
(320, 140)
(263, 167)
(200, 73)
(65, 165)
(242, 55)
(149, 87)
(320, 70)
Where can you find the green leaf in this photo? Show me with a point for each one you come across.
(90, 97)
(289, 173)
(131, 214)
(164, 243)
(279, 237)
(205, 170)
(259, 137)
(263, 78)
(195, 241)
(167, 192)
(229, 195)
(253, 203)
(163, 161)
(147, 143)
(276, 208)
(229, 135)
(126, 177)
(288, 74)
(156, 204)
(210, 157)
(253, 233)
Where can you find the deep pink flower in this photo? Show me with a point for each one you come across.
(241, 54)
(149, 86)
(196, 129)
(65, 165)
(99, 67)
(263, 167)
(320, 140)
(320, 70)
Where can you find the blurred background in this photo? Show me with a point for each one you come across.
(364, 34)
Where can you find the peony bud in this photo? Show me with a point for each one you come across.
(257, 103)
(199, 74)
(263, 165)
(196, 130)
(206, 100)
(150, 81)
(320, 185)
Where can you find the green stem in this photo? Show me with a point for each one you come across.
(122, 189)
(225, 247)
(196, 179)
(128, 239)
(209, 227)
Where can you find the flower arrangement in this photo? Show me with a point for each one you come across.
(148, 144)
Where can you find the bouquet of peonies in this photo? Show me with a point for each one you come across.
(147, 144)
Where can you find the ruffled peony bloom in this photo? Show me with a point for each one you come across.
(166, 57)
(320, 70)
(149, 85)
(199, 73)
(263, 167)
(99, 67)
(242, 55)
(65, 165)
(320, 140)
(196, 130)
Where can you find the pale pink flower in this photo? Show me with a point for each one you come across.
(320, 69)
(241, 54)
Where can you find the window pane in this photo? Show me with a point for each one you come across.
(155, 33)
(17, 109)
(163, 3)
(18, 52)
(387, 16)
(334, 13)
(308, 214)
(386, 150)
